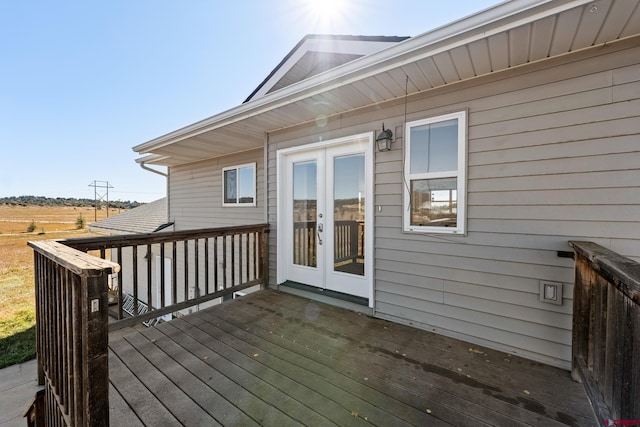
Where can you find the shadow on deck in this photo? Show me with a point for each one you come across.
(276, 359)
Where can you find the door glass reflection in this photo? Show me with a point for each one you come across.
(305, 202)
(348, 214)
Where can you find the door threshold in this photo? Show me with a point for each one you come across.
(350, 302)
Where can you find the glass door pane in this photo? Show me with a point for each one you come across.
(348, 214)
(305, 202)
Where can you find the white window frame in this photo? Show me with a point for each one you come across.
(460, 174)
(253, 180)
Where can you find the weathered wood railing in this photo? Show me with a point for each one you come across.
(71, 334)
(72, 301)
(304, 243)
(348, 242)
(606, 331)
(173, 271)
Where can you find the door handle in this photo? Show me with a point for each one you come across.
(320, 228)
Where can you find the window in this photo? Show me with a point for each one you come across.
(435, 167)
(239, 185)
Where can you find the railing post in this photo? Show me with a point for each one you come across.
(71, 323)
(265, 258)
(37, 268)
(581, 315)
(606, 330)
(96, 345)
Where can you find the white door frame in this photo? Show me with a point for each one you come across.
(282, 237)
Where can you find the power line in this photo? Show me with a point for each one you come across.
(103, 196)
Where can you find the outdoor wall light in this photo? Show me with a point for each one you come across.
(383, 140)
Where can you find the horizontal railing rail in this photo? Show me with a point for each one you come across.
(167, 273)
(71, 334)
(606, 331)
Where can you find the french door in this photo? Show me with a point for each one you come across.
(326, 210)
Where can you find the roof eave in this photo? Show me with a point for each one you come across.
(440, 39)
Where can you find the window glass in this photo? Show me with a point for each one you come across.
(434, 202)
(435, 175)
(434, 147)
(246, 188)
(239, 187)
(230, 186)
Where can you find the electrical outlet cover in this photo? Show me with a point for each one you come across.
(551, 292)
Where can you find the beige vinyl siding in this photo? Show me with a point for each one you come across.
(195, 201)
(553, 156)
(195, 193)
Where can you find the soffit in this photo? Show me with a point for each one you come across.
(545, 30)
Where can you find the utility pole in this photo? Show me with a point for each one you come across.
(103, 195)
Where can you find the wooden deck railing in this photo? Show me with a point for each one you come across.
(348, 238)
(170, 272)
(72, 311)
(348, 241)
(606, 331)
(304, 243)
(71, 334)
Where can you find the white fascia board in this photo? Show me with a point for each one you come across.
(425, 45)
(151, 158)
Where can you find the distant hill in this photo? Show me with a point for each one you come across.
(64, 201)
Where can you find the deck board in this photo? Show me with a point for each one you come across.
(492, 372)
(277, 359)
(350, 395)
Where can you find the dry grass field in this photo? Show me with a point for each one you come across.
(17, 312)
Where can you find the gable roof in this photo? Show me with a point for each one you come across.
(146, 218)
(317, 53)
(509, 35)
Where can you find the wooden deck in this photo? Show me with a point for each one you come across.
(275, 359)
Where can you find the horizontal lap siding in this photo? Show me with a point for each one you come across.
(196, 193)
(553, 156)
(547, 164)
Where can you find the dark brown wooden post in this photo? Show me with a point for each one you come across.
(196, 268)
(71, 328)
(606, 330)
(224, 261)
(38, 273)
(215, 264)
(581, 314)
(134, 250)
(265, 257)
(95, 337)
(206, 265)
(149, 269)
(174, 273)
(355, 229)
(233, 260)
(120, 285)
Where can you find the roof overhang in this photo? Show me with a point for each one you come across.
(508, 35)
(316, 53)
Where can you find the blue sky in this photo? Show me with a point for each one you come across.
(84, 81)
